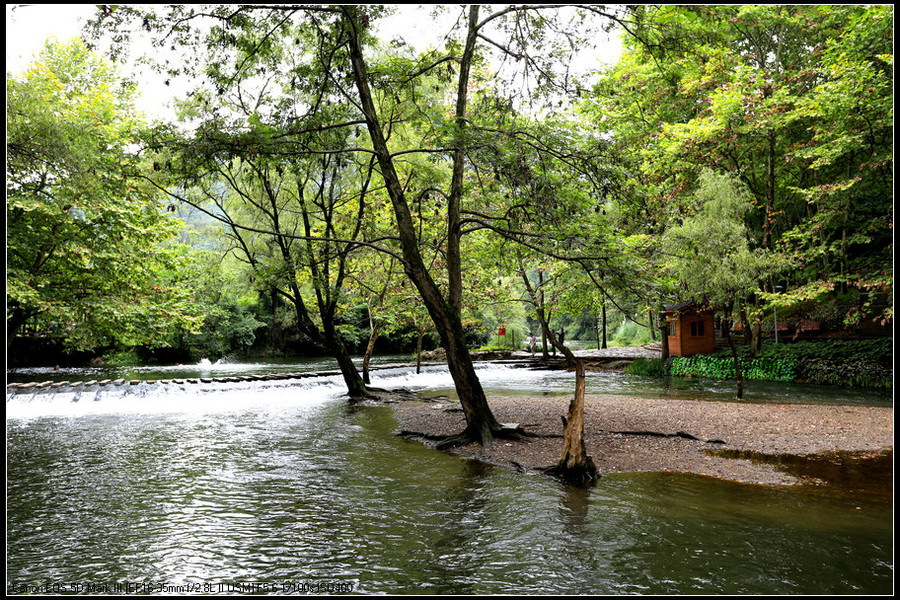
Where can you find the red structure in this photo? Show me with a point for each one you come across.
(690, 330)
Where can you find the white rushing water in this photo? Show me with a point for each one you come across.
(210, 388)
(172, 398)
(191, 395)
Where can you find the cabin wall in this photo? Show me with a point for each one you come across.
(693, 334)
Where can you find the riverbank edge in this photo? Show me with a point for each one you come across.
(732, 441)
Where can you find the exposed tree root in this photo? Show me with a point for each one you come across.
(582, 474)
(386, 396)
(437, 442)
(453, 441)
(445, 442)
(680, 434)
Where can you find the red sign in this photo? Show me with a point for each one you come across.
(502, 330)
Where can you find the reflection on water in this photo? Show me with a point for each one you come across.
(285, 486)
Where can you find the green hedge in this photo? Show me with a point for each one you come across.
(858, 373)
(856, 363)
(877, 350)
(723, 368)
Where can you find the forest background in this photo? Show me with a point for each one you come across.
(734, 156)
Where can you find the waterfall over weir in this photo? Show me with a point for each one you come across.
(199, 388)
(224, 387)
(167, 396)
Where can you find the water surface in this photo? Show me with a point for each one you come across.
(286, 487)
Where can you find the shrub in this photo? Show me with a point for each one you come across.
(877, 350)
(857, 363)
(859, 373)
(723, 368)
(127, 357)
(630, 334)
(655, 367)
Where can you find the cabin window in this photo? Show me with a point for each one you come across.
(670, 328)
(697, 329)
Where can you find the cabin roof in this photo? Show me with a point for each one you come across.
(689, 305)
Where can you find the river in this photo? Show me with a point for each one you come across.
(283, 487)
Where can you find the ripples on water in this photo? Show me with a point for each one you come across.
(284, 484)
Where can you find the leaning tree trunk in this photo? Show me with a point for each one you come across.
(356, 387)
(481, 424)
(370, 348)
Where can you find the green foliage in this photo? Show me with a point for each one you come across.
(89, 244)
(876, 350)
(731, 146)
(654, 367)
(630, 333)
(711, 251)
(857, 373)
(796, 101)
(230, 328)
(858, 363)
(489, 347)
(128, 357)
(703, 365)
(506, 312)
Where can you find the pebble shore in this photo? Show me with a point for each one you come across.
(616, 433)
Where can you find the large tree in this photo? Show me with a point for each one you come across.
(793, 100)
(711, 253)
(284, 222)
(445, 309)
(343, 58)
(89, 251)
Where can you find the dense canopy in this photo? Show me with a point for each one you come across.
(324, 188)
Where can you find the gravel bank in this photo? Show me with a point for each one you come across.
(772, 429)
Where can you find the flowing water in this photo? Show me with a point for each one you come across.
(282, 486)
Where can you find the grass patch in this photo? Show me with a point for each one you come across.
(654, 367)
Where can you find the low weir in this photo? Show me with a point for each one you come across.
(54, 385)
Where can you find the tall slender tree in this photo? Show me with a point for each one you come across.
(711, 252)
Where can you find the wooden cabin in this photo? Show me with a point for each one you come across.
(690, 330)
